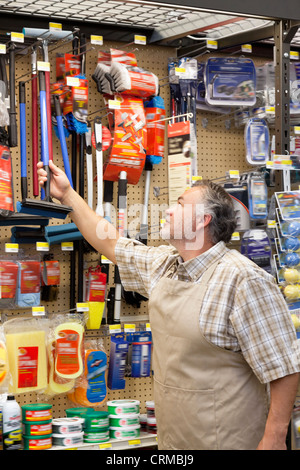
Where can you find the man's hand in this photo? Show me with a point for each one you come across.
(59, 183)
(283, 393)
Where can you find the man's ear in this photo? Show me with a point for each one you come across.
(203, 222)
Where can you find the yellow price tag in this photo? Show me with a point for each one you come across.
(42, 246)
(211, 44)
(11, 247)
(140, 40)
(82, 307)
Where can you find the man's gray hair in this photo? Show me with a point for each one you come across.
(219, 205)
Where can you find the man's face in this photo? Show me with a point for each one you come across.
(182, 218)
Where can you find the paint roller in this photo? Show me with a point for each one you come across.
(46, 206)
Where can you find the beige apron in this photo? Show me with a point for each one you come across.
(206, 397)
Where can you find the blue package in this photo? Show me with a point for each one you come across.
(140, 354)
(256, 246)
(258, 197)
(117, 362)
(257, 141)
(230, 81)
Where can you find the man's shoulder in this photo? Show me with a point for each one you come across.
(234, 262)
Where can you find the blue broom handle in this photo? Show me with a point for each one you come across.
(44, 131)
(62, 139)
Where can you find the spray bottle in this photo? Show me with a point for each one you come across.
(12, 427)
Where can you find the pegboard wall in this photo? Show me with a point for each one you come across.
(219, 150)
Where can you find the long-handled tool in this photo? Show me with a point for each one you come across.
(46, 206)
(34, 121)
(12, 128)
(62, 139)
(99, 165)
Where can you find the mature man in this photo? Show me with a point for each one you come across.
(222, 333)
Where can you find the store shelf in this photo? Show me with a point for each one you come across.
(144, 440)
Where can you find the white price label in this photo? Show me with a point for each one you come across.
(72, 81)
(43, 66)
(114, 104)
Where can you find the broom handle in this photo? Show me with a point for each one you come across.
(35, 135)
(23, 148)
(44, 132)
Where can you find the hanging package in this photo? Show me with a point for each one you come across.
(26, 350)
(258, 197)
(257, 141)
(6, 183)
(230, 81)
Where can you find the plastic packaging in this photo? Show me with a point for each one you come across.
(12, 427)
(257, 141)
(91, 389)
(68, 337)
(3, 360)
(118, 353)
(27, 357)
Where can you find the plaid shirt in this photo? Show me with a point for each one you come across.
(243, 309)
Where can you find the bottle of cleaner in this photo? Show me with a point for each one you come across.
(12, 424)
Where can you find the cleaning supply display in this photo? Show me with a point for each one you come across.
(50, 280)
(56, 384)
(257, 141)
(90, 388)
(139, 353)
(29, 281)
(258, 196)
(68, 337)
(230, 81)
(96, 426)
(118, 354)
(6, 182)
(67, 440)
(256, 246)
(151, 426)
(8, 283)
(123, 407)
(36, 412)
(37, 426)
(3, 360)
(124, 419)
(67, 431)
(12, 428)
(27, 356)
